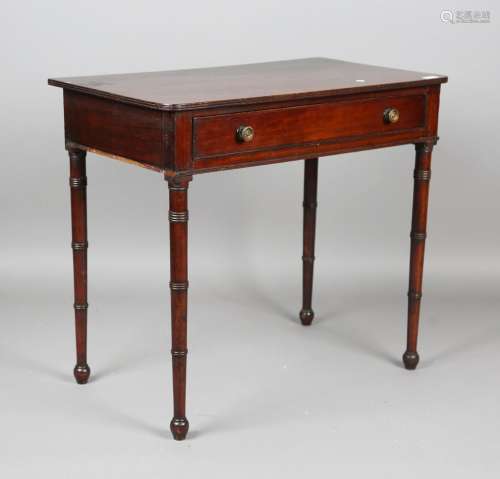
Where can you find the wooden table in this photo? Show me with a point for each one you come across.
(186, 122)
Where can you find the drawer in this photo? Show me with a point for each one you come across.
(217, 135)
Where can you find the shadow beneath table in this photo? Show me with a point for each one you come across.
(110, 413)
(260, 300)
(127, 360)
(264, 301)
(471, 343)
(17, 360)
(348, 338)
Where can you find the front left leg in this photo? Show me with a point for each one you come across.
(178, 219)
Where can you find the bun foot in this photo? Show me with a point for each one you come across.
(410, 359)
(306, 316)
(81, 373)
(179, 427)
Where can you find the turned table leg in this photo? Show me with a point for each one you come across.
(422, 176)
(310, 195)
(178, 218)
(78, 185)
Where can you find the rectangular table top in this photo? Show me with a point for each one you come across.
(245, 84)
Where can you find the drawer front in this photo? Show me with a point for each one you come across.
(290, 127)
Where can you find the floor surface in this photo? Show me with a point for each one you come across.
(267, 397)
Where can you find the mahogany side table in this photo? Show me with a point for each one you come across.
(182, 123)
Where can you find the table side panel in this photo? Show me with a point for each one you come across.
(116, 129)
(432, 111)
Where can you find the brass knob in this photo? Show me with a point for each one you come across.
(391, 115)
(244, 133)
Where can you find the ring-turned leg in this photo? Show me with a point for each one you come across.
(78, 185)
(178, 218)
(422, 176)
(310, 195)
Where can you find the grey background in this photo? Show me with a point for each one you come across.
(265, 396)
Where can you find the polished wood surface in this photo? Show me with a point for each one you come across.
(178, 216)
(302, 125)
(123, 130)
(246, 84)
(189, 122)
(79, 245)
(418, 235)
(198, 141)
(309, 237)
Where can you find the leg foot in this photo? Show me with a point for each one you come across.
(410, 360)
(179, 427)
(81, 373)
(306, 316)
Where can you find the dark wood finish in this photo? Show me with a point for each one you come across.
(187, 122)
(122, 130)
(202, 140)
(251, 84)
(422, 177)
(309, 235)
(178, 218)
(313, 139)
(214, 135)
(79, 244)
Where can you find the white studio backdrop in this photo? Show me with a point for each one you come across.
(365, 416)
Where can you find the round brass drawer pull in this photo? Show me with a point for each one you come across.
(391, 115)
(244, 133)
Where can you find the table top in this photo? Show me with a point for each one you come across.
(246, 84)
